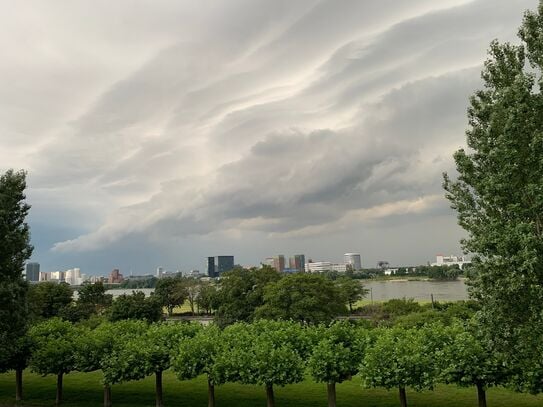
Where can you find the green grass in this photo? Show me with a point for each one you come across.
(84, 389)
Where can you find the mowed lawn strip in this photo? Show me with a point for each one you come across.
(84, 389)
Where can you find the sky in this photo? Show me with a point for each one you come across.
(160, 133)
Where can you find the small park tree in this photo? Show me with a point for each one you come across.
(197, 356)
(337, 356)
(351, 289)
(400, 358)
(469, 360)
(53, 350)
(105, 347)
(135, 306)
(267, 353)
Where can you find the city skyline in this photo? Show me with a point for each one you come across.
(252, 128)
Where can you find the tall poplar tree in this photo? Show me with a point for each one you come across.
(15, 249)
(498, 192)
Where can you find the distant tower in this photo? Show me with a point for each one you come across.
(210, 267)
(279, 263)
(33, 272)
(224, 263)
(159, 272)
(354, 260)
(297, 262)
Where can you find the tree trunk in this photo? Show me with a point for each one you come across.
(58, 400)
(107, 395)
(158, 388)
(481, 395)
(210, 393)
(403, 397)
(18, 384)
(331, 394)
(269, 396)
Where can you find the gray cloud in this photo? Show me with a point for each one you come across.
(213, 126)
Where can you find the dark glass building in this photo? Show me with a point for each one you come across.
(32, 271)
(210, 267)
(224, 263)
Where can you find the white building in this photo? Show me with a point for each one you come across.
(321, 266)
(450, 261)
(159, 272)
(354, 260)
(73, 276)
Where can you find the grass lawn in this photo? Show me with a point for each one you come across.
(84, 389)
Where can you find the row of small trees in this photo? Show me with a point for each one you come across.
(267, 353)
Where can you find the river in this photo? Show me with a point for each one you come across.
(386, 290)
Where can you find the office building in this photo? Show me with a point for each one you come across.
(224, 263)
(159, 272)
(115, 277)
(73, 276)
(297, 263)
(451, 260)
(33, 272)
(353, 261)
(321, 266)
(210, 267)
(278, 263)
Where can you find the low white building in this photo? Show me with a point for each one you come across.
(451, 260)
(321, 266)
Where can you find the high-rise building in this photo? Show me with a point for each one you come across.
(224, 263)
(33, 272)
(279, 263)
(73, 276)
(115, 277)
(159, 272)
(297, 263)
(210, 267)
(353, 260)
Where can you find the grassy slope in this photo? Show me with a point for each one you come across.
(84, 389)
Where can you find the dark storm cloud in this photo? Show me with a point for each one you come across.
(212, 121)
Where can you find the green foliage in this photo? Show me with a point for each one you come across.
(468, 360)
(198, 355)
(338, 354)
(15, 249)
(208, 297)
(135, 306)
(95, 296)
(351, 290)
(53, 346)
(170, 292)
(266, 352)
(48, 299)
(302, 297)
(402, 358)
(241, 292)
(498, 195)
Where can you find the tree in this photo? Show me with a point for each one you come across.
(207, 299)
(352, 290)
(157, 346)
(498, 193)
(171, 292)
(241, 291)
(53, 349)
(15, 250)
(400, 358)
(48, 299)
(468, 360)
(302, 297)
(266, 353)
(94, 295)
(197, 356)
(135, 306)
(337, 356)
(107, 348)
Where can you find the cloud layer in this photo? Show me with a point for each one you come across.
(185, 126)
